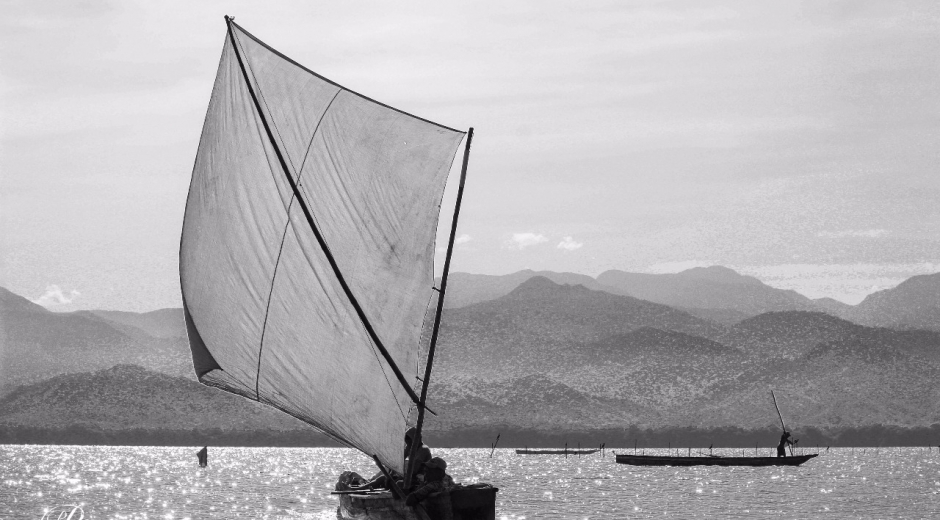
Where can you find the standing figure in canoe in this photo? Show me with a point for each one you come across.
(784, 441)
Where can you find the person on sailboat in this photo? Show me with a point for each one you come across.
(434, 481)
(782, 447)
(422, 456)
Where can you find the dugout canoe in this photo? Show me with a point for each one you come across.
(711, 460)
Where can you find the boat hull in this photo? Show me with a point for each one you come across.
(556, 452)
(657, 460)
(469, 503)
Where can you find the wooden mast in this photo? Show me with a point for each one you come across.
(416, 441)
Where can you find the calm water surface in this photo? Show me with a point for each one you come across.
(166, 483)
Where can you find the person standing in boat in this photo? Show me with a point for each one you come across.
(784, 441)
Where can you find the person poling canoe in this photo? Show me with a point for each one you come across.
(784, 441)
(785, 436)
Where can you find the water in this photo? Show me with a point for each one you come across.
(166, 483)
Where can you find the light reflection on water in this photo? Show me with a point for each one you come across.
(150, 482)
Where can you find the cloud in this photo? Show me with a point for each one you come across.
(869, 233)
(568, 244)
(524, 240)
(463, 239)
(55, 296)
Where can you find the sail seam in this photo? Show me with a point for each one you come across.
(277, 263)
(314, 135)
(267, 308)
(367, 98)
(372, 345)
(302, 188)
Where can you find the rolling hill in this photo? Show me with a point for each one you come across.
(543, 357)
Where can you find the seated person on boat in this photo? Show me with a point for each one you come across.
(434, 481)
(422, 456)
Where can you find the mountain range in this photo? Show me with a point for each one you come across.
(556, 352)
(670, 369)
(721, 294)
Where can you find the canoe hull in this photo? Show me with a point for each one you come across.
(556, 452)
(657, 460)
(470, 503)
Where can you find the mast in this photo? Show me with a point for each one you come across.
(416, 442)
(316, 232)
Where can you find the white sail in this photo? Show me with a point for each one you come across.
(266, 314)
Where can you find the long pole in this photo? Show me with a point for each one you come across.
(316, 232)
(416, 442)
(782, 425)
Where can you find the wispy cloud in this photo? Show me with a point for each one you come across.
(863, 233)
(524, 240)
(568, 244)
(55, 296)
(463, 239)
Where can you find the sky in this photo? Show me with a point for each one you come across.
(798, 142)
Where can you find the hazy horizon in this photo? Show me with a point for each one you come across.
(55, 299)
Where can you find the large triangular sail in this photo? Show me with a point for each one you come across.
(267, 312)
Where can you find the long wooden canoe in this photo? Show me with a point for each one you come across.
(710, 460)
(557, 452)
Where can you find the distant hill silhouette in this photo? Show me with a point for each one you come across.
(707, 288)
(162, 323)
(847, 377)
(913, 304)
(539, 318)
(787, 334)
(465, 289)
(543, 357)
(38, 344)
(714, 293)
(132, 398)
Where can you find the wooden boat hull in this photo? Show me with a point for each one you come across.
(556, 452)
(466, 503)
(658, 460)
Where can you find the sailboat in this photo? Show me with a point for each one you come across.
(306, 258)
